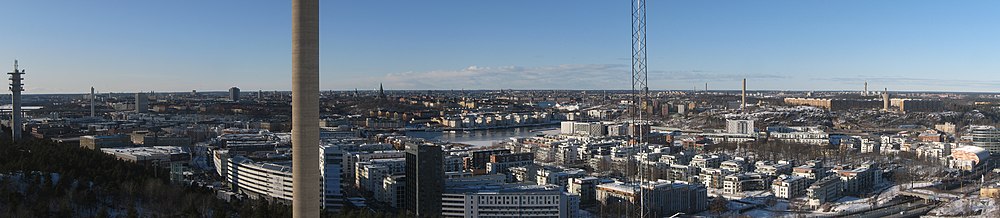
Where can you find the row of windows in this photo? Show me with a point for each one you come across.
(491, 197)
(516, 202)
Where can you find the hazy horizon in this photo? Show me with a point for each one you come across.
(250, 92)
(779, 45)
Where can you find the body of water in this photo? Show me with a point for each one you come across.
(484, 137)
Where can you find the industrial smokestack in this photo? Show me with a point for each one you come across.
(15, 88)
(92, 96)
(743, 103)
(305, 109)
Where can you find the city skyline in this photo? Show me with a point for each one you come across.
(501, 109)
(777, 45)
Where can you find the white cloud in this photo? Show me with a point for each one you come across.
(565, 76)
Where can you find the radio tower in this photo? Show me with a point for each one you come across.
(640, 91)
(15, 88)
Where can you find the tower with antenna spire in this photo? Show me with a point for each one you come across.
(15, 88)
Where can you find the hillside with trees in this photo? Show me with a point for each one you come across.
(39, 178)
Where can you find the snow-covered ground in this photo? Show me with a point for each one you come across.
(738, 206)
(888, 194)
(893, 191)
(773, 211)
(780, 209)
(936, 194)
(849, 203)
(762, 213)
(967, 207)
(886, 190)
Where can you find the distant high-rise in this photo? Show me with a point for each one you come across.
(141, 102)
(424, 180)
(16, 87)
(234, 94)
(866, 89)
(330, 165)
(885, 100)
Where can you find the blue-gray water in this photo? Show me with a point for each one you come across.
(484, 137)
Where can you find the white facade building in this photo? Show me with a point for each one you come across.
(509, 201)
(788, 187)
(583, 128)
(740, 126)
(272, 181)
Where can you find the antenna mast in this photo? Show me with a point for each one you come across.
(640, 91)
(15, 88)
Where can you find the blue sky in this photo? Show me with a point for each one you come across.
(180, 45)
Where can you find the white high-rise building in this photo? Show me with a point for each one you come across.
(788, 187)
(331, 170)
(740, 126)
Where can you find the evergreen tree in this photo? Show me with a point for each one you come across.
(132, 213)
(103, 213)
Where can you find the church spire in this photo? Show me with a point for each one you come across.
(381, 92)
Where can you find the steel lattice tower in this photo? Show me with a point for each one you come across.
(640, 92)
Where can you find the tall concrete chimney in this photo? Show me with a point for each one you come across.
(92, 97)
(743, 103)
(885, 100)
(305, 109)
(15, 88)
